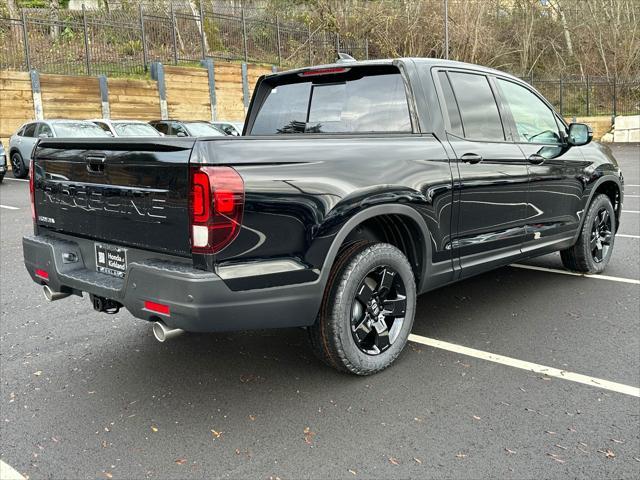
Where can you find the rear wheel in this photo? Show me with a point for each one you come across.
(592, 251)
(367, 310)
(17, 166)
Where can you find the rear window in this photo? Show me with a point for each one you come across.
(78, 130)
(135, 130)
(356, 100)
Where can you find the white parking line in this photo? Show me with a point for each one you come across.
(630, 211)
(576, 274)
(626, 185)
(17, 179)
(626, 236)
(532, 367)
(7, 472)
(632, 196)
(9, 207)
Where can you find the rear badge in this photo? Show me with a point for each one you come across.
(46, 219)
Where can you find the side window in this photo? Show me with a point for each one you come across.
(477, 105)
(177, 128)
(44, 129)
(451, 105)
(30, 130)
(535, 122)
(21, 132)
(161, 127)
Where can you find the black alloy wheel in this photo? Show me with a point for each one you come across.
(378, 310)
(601, 235)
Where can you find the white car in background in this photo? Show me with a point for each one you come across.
(127, 128)
(230, 128)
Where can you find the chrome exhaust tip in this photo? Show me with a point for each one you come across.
(53, 296)
(164, 333)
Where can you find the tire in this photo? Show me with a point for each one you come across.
(1, 177)
(592, 251)
(349, 334)
(18, 167)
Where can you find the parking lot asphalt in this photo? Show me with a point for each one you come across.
(88, 395)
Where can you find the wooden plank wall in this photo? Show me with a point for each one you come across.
(16, 103)
(70, 97)
(187, 93)
(79, 97)
(228, 78)
(253, 73)
(133, 99)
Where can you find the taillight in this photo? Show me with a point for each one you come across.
(217, 204)
(43, 274)
(32, 190)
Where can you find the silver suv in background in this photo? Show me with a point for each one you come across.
(22, 142)
(127, 128)
(3, 162)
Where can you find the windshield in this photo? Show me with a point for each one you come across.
(203, 129)
(135, 130)
(354, 100)
(78, 130)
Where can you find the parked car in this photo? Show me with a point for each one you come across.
(229, 128)
(179, 128)
(21, 143)
(357, 187)
(3, 162)
(126, 128)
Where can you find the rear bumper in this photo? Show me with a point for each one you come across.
(198, 301)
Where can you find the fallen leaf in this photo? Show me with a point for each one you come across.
(154, 428)
(549, 432)
(608, 453)
(555, 457)
(352, 472)
(560, 446)
(393, 461)
(617, 441)
(108, 474)
(417, 460)
(252, 417)
(508, 450)
(181, 461)
(475, 417)
(216, 434)
(308, 435)
(461, 455)
(237, 451)
(38, 373)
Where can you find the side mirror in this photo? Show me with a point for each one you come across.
(43, 135)
(579, 134)
(181, 134)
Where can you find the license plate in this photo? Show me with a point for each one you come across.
(111, 260)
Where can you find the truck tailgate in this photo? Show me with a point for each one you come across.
(132, 192)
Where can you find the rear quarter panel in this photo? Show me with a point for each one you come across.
(301, 191)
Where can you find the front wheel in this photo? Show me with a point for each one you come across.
(592, 251)
(367, 310)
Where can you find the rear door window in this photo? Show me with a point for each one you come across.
(477, 105)
(30, 130)
(352, 101)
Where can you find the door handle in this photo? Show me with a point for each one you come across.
(471, 158)
(536, 159)
(95, 164)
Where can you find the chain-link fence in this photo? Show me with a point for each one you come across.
(123, 43)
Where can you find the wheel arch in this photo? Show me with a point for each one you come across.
(397, 224)
(611, 186)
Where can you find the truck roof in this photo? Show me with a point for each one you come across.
(429, 62)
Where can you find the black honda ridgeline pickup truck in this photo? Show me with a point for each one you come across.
(355, 187)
